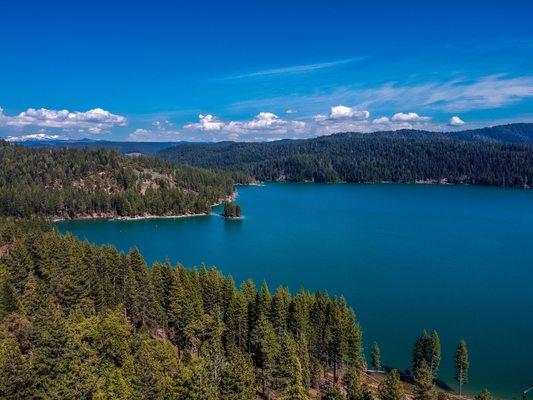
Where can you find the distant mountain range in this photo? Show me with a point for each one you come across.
(145, 148)
(511, 133)
(499, 156)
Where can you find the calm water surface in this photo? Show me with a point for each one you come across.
(453, 258)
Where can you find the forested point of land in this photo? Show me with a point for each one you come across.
(478, 157)
(80, 321)
(232, 210)
(74, 183)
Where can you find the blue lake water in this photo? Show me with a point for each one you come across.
(457, 259)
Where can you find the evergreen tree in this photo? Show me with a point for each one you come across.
(461, 365)
(203, 386)
(353, 384)
(288, 370)
(376, 357)
(9, 302)
(265, 349)
(334, 393)
(427, 348)
(424, 387)
(391, 388)
(14, 371)
(435, 353)
(366, 393)
(484, 395)
(238, 378)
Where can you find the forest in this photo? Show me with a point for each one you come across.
(400, 156)
(78, 321)
(73, 183)
(81, 321)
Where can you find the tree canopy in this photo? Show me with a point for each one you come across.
(84, 321)
(69, 183)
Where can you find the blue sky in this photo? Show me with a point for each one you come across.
(209, 71)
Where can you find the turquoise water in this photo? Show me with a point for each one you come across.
(457, 259)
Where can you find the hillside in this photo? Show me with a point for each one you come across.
(72, 183)
(144, 148)
(468, 157)
(79, 321)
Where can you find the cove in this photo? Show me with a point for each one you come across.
(457, 259)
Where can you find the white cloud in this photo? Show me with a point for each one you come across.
(381, 120)
(155, 135)
(264, 126)
(291, 111)
(456, 121)
(320, 117)
(343, 112)
(166, 124)
(34, 136)
(95, 121)
(206, 123)
(409, 117)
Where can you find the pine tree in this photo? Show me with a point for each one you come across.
(391, 388)
(9, 301)
(303, 356)
(461, 365)
(424, 387)
(420, 350)
(484, 395)
(238, 379)
(366, 393)
(14, 371)
(203, 386)
(435, 353)
(335, 339)
(353, 384)
(265, 348)
(334, 393)
(288, 370)
(427, 348)
(376, 357)
(280, 309)
(156, 367)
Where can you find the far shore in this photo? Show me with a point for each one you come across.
(113, 217)
(128, 218)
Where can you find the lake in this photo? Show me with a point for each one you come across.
(458, 259)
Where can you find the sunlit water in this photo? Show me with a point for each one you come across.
(457, 259)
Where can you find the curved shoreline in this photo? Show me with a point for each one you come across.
(112, 217)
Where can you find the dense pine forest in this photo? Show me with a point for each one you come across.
(68, 183)
(78, 321)
(469, 157)
(81, 321)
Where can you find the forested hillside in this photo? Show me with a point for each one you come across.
(403, 156)
(67, 183)
(145, 148)
(79, 321)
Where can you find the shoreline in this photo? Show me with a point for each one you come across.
(417, 182)
(127, 218)
(112, 217)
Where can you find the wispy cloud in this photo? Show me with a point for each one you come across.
(457, 95)
(292, 70)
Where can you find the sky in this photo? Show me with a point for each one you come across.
(260, 70)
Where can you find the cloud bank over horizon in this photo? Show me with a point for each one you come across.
(47, 124)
